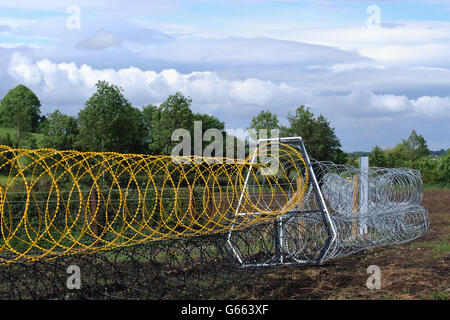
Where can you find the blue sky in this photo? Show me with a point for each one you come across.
(375, 83)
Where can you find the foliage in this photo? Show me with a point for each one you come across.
(413, 153)
(174, 113)
(150, 118)
(319, 137)
(265, 120)
(109, 122)
(377, 157)
(60, 131)
(20, 109)
(414, 147)
(6, 140)
(435, 170)
(209, 122)
(8, 136)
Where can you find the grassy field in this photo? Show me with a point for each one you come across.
(436, 187)
(13, 133)
(415, 270)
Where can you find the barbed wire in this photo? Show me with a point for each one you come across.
(378, 208)
(154, 227)
(107, 207)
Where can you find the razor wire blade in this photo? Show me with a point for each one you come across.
(345, 210)
(66, 202)
(148, 226)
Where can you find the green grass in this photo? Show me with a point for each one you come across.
(13, 132)
(3, 179)
(5, 131)
(441, 295)
(430, 186)
(440, 248)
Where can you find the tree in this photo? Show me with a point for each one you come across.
(414, 153)
(7, 140)
(341, 157)
(109, 122)
(264, 120)
(319, 138)
(396, 158)
(377, 157)
(443, 169)
(209, 122)
(415, 147)
(20, 109)
(137, 135)
(150, 117)
(174, 113)
(212, 139)
(60, 131)
(435, 170)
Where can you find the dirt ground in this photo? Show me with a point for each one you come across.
(415, 270)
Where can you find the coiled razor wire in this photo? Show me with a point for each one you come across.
(141, 226)
(391, 214)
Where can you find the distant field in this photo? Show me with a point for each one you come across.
(12, 132)
(3, 179)
(436, 187)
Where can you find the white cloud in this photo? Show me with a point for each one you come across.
(366, 104)
(368, 81)
(241, 51)
(432, 106)
(345, 67)
(409, 42)
(380, 118)
(67, 83)
(23, 68)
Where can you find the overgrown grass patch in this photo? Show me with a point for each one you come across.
(440, 248)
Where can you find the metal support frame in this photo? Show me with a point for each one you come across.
(363, 193)
(279, 246)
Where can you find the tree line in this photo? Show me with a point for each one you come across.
(414, 153)
(108, 122)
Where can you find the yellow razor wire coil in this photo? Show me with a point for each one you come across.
(55, 203)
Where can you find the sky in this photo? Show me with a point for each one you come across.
(375, 69)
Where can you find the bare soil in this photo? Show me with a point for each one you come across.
(415, 270)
